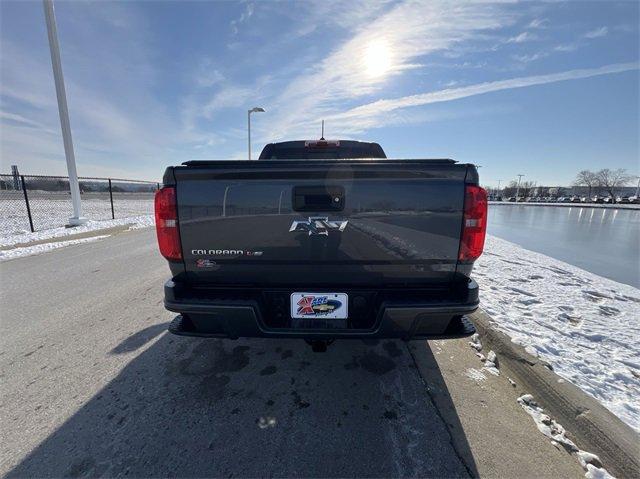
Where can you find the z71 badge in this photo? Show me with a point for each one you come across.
(324, 305)
(205, 263)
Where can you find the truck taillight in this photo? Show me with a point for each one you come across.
(167, 223)
(474, 226)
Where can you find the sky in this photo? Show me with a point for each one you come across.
(540, 89)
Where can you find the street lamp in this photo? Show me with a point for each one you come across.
(63, 111)
(255, 109)
(518, 187)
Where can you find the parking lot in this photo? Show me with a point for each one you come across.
(93, 385)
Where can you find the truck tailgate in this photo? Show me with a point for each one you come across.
(315, 223)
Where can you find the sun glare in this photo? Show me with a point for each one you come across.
(377, 58)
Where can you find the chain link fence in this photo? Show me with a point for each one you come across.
(33, 203)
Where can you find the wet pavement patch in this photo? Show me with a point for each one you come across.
(269, 370)
(298, 401)
(390, 415)
(392, 349)
(376, 364)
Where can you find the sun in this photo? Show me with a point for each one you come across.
(377, 58)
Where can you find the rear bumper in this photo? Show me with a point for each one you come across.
(234, 318)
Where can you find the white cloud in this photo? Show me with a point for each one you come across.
(19, 120)
(111, 124)
(567, 47)
(207, 74)
(539, 23)
(523, 37)
(374, 114)
(529, 57)
(228, 97)
(409, 31)
(597, 33)
(244, 16)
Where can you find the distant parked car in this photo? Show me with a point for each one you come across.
(597, 199)
(585, 199)
(623, 199)
(511, 199)
(634, 199)
(610, 200)
(563, 199)
(574, 199)
(498, 198)
(521, 199)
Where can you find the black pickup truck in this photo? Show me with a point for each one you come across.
(321, 240)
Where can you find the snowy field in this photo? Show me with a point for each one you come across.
(586, 326)
(53, 209)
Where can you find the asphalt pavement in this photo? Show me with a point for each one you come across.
(93, 385)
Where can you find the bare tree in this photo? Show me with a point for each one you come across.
(587, 178)
(510, 189)
(526, 188)
(612, 179)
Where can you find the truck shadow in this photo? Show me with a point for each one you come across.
(189, 407)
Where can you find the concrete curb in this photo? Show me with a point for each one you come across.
(593, 427)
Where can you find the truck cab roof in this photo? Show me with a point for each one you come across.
(321, 149)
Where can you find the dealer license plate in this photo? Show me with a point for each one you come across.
(319, 305)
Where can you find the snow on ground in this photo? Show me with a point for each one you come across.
(53, 209)
(476, 375)
(91, 225)
(620, 206)
(554, 431)
(43, 248)
(586, 326)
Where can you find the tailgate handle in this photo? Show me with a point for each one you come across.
(318, 198)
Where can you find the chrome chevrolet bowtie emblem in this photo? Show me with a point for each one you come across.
(318, 225)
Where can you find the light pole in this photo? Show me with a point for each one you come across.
(638, 188)
(63, 111)
(518, 187)
(255, 109)
(499, 181)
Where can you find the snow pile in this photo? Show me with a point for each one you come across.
(490, 361)
(546, 425)
(475, 342)
(554, 431)
(91, 225)
(491, 364)
(43, 248)
(585, 326)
